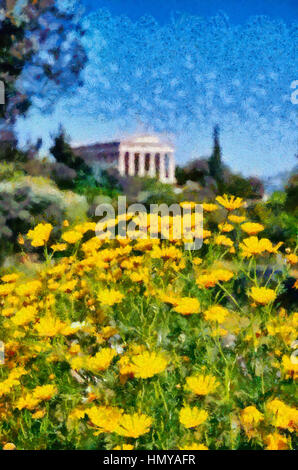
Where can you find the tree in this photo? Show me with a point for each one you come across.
(196, 170)
(64, 155)
(41, 56)
(257, 187)
(292, 193)
(62, 151)
(181, 175)
(215, 162)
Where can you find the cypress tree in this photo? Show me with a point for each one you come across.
(215, 162)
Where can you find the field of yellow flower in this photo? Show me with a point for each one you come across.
(141, 344)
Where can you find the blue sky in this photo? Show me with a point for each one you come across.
(179, 74)
(237, 10)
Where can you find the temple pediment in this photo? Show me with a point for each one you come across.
(142, 155)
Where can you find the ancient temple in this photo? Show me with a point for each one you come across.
(144, 155)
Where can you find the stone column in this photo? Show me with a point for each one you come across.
(121, 163)
(171, 177)
(152, 167)
(141, 164)
(162, 169)
(131, 164)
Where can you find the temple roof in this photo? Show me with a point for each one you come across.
(146, 141)
(137, 143)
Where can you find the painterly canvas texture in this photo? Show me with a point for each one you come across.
(148, 225)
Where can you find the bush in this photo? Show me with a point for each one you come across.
(10, 171)
(29, 200)
(280, 222)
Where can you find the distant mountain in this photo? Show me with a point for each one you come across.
(278, 181)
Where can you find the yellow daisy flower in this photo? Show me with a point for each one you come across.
(236, 219)
(40, 234)
(252, 228)
(71, 236)
(216, 313)
(192, 417)
(134, 425)
(105, 418)
(187, 306)
(201, 384)
(101, 360)
(194, 446)
(230, 202)
(276, 441)
(110, 297)
(147, 364)
(262, 295)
